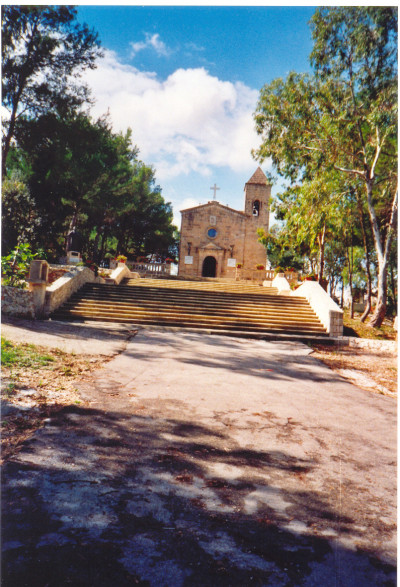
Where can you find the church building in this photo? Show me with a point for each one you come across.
(215, 238)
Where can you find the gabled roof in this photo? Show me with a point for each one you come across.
(258, 177)
(213, 203)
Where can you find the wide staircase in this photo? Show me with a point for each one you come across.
(225, 307)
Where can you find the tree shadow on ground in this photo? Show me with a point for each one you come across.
(109, 498)
(348, 331)
(78, 329)
(277, 360)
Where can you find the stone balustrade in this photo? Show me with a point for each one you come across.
(326, 309)
(152, 268)
(63, 288)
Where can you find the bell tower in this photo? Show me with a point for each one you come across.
(257, 201)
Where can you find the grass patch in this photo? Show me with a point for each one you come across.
(23, 355)
(353, 327)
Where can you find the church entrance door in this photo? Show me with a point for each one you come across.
(209, 267)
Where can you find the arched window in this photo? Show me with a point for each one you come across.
(256, 207)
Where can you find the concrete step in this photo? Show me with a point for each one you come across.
(155, 292)
(154, 298)
(82, 309)
(248, 310)
(209, 324)
(223, 286)
(141, 306)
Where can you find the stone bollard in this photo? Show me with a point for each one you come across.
(37, 283)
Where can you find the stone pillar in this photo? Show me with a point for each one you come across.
(73, 257)
(37, 283)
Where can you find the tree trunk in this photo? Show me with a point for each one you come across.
(368, 305)
(393, 283)
(342, 294)
(380, 309)
(321, 242)
(7, 144)
(367, 261)
(96, 256)
(350, 266)
(103, 242)
(383, 257)
(72, 226)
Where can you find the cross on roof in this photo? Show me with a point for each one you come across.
(215, 190)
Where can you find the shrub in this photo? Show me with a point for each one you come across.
(310, 277)
(15, 266)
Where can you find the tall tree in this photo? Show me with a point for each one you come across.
(314, 213)
(345, 117)
(42, 46)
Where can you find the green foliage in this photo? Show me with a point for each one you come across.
(63, 171)
(15, 266)
(22, 355)
(19, 214)
(43, 52)
(341, 120)
(282, 252)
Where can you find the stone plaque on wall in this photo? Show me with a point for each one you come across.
(231, 262)
(213, 220)
(188, 260)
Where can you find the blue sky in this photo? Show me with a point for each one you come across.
(186, 80)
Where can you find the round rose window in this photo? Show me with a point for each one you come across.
(211, 233)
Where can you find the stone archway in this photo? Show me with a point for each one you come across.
(209, 267)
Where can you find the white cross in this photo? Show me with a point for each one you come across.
(215, 189)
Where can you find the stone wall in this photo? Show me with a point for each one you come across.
(62, 289)
(55, 272)
(17, 302)
(120, 273)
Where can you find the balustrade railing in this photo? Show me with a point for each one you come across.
(156, 268)
(265, 274)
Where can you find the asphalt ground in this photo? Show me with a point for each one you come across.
(206, 461)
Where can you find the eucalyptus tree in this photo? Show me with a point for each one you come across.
(344, 117)
(44, 51)
(314, 212)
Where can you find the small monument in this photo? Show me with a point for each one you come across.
(74, 245)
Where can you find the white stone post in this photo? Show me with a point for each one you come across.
(37, 282)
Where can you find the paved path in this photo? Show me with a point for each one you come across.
(207, 461)
(87, 338)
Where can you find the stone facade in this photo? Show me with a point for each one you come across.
(214, 238)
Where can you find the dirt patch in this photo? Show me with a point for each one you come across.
(375, 371)
(31, 394)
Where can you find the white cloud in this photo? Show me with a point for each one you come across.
(189, 203)
(191, 121)
(151, 42)
(186, 203)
